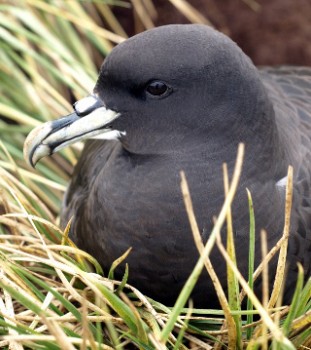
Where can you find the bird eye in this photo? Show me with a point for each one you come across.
(157, 88)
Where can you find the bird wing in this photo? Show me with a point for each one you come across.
(295, 84)
(294, 87)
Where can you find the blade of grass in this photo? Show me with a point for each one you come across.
(265, 288)
(276, 332)
(233, 285)
(208, 265)
(190, 12)
(295, 302)
(279, 275)
(251, 261)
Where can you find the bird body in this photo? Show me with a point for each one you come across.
(182, 97)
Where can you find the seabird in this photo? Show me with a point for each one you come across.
(182, 97)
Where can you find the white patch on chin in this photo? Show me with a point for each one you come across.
(110, 135)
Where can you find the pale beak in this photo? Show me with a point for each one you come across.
(90, 119)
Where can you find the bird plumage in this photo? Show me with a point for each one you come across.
(126, 193)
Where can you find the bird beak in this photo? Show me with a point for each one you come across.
(90, 120)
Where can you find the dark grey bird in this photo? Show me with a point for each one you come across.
(182, 97)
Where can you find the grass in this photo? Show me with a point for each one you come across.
(53, 295)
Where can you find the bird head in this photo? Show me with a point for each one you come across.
(161, 90)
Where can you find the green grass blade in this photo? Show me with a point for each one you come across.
(251, 261)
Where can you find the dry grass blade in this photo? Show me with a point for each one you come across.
(230, 324)
(142, 14)
(58, 333)
(7, 309)
(233, 286)
(88, 24)
(112, 21)
(253, 4)
(279, 276)
(283, 242)
(190, 12)
(277, 333)
(18, 116)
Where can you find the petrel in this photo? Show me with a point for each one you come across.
(182, 97)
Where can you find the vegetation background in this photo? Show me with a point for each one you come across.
(53, 296)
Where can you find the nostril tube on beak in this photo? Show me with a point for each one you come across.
(87, 105)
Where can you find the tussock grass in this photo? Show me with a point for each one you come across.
(53, 295)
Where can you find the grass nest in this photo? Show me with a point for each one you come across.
(55, 296)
